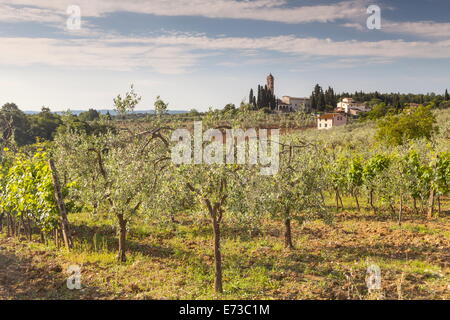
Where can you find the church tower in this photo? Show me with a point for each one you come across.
(271, 83)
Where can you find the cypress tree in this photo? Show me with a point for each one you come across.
(259, 101)
(251, 98)
(265, 97)
(313, 102)
(321, 102)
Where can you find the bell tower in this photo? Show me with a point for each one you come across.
(271, 83)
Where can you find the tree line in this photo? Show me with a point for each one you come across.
(26, 129)
(264, 99)
(326, 100)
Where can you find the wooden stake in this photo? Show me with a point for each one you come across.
(62, 208)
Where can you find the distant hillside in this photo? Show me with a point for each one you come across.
(112, 112)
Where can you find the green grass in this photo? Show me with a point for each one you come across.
(167, 261)
(422, 229)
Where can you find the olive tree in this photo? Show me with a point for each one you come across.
(169, 200)
(160, 106)
(113, 171)
(127, 103)
(211, 185)
(294, 193)
(215, 184)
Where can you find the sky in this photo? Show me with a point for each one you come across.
(208, 53)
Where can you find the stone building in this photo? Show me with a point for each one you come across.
(288, 103)
(348, 105)
(329, 120)
(297, 104)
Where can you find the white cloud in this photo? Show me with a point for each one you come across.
(95, 54)
(10, 13)
(267, 10)
(422, 28)
(179, 54)
(351, 11)
(425, 29)
(305, 46)
(342, 63)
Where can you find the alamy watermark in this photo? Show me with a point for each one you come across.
(74, 20)
(74, 279)
(374, 20)
(228, 146)
(373, 279)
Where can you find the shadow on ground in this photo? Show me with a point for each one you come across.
(36, 277)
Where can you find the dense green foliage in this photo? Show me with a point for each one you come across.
(323, 100)
(21, 129)
(396, 100)
(127, 103)
(381, 103)
(264, 99)
(408, 125)
(160, 106)
(90, 115)
(27, 193)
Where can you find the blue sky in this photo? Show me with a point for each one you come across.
(207, 53)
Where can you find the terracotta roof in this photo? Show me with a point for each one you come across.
(297, 98)
(327, 116)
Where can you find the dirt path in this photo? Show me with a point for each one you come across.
(31, 276)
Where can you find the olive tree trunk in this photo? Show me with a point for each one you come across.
(400, 212)
(217, 256)
(371, 201)
(288, 234)
(357, 200)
